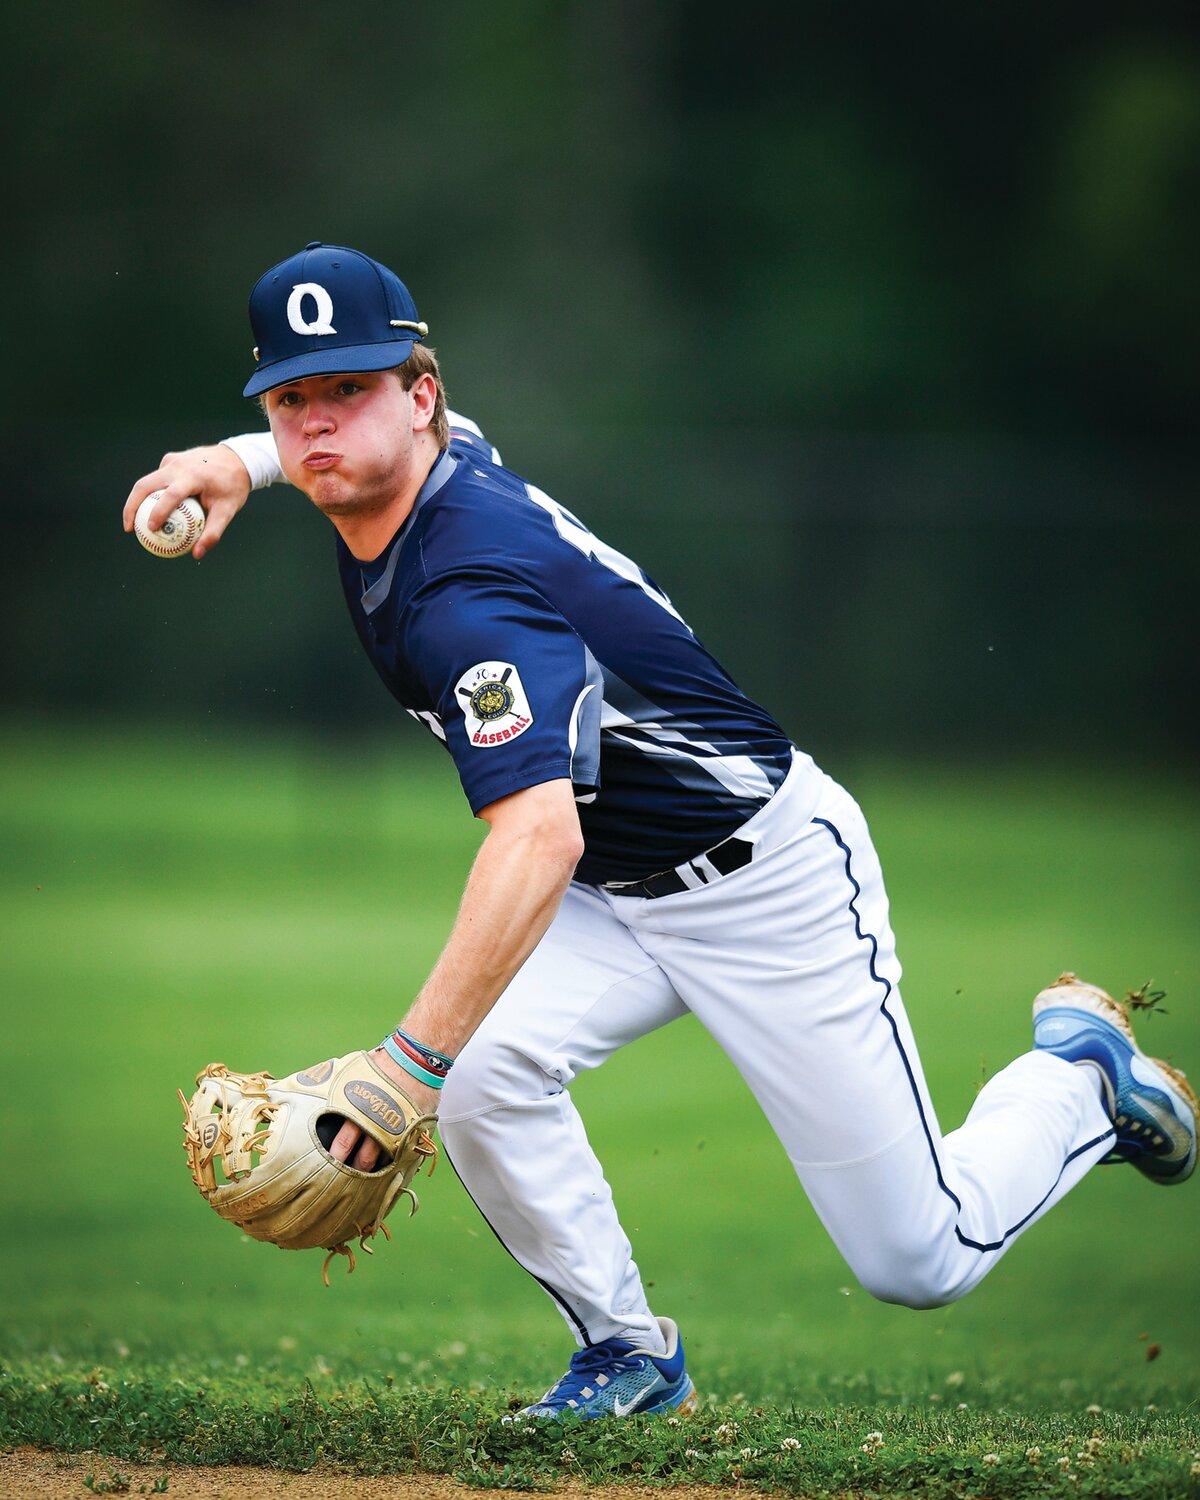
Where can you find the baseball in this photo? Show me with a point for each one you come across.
(178, 532)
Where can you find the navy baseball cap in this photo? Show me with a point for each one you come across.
(328, 311)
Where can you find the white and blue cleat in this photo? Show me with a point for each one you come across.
(1152, 1105)
(617, 1379)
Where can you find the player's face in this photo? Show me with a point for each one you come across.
(347, 441)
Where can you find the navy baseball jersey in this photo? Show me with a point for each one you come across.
(533, 651)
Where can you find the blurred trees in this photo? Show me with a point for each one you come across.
(870, 330)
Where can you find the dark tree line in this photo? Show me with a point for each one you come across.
(871, 331)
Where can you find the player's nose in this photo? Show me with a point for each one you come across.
(318, 418)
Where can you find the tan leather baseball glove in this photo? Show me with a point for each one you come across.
(258, 1150)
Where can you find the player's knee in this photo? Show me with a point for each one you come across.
(908, 1282)
(910, 1294)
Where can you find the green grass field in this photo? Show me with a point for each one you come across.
(169, 901)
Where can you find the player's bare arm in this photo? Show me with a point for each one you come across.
(213, 473)
(515, 887)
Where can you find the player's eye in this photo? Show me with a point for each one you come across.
(288, 398)
(348, 387)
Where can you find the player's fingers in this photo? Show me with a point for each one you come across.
(367, 1154)
(168, 477)
(222, 512)
(146, 485)
(172, 492)
(345, 1141)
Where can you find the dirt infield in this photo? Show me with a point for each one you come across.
(30, 1474)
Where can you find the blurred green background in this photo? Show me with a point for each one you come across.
(870, 332)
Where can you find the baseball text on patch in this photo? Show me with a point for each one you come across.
(494, 704)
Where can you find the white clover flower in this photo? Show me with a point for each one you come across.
(672, 1421)
(873, 1443)
(1064, 1463)
(955, 1377)
(1093, 1409)
(567, 1456)
(789, 1444)
(691, 1453)
(991, 1459)
(726, 1433)
(1033, 1454)
(1195, 1471)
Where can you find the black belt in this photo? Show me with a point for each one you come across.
(725, 858)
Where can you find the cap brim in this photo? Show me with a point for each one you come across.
(343, 360)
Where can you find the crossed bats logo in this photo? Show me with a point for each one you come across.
(495, 706)
(492, 700)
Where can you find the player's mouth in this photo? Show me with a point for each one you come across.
(321, 460)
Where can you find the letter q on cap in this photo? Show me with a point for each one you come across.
(323, 322)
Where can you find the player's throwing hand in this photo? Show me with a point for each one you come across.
(214, 474)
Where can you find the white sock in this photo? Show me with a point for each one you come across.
(642, 1338)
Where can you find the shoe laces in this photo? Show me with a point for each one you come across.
(612, 1357)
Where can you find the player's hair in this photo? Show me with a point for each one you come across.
(423, 361)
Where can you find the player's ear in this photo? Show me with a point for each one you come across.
(424, 398)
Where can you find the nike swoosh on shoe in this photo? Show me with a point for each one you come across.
(623, 1408)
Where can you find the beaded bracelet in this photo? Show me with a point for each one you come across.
(437, 1062)
(418, 1060)
(410, 1066)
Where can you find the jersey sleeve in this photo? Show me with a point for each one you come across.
(466, 433)
(516, 691)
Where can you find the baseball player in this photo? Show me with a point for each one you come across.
(656, 845)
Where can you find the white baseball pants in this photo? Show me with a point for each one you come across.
(790, 964)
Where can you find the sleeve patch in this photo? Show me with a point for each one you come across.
(494, 703)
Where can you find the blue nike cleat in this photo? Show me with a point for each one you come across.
(616, 1379)
(1152, 1105)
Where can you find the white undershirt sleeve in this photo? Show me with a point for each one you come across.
(257, 451)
